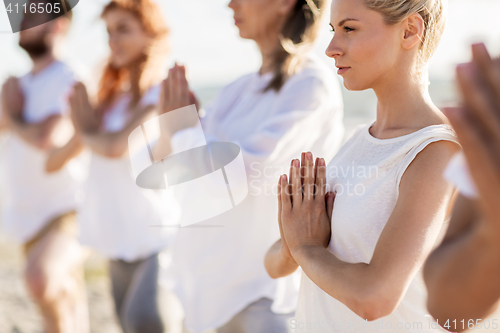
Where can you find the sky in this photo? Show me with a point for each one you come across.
(204, 38)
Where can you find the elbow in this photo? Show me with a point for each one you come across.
(273, 273)
(51, 168)
(372, 305)
(44, 142)
(110, 148)
(113, 152)
(270, 267)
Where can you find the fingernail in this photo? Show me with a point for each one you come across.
(284, 177)
(479, 47)
(309, 156)
(322, 162)
(296, 163)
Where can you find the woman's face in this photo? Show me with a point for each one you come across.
(366, 50)
(260, 19)
(127, 39)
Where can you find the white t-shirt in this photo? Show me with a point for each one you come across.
(220, 270)
(118, 218)
(365, 174)
(457, 173)
(33, 197)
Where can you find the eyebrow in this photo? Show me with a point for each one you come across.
(341, 23)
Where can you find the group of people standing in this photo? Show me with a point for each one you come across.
(316, 258)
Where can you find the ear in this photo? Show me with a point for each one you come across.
(61, 25)
(413, 31)
(285, 6)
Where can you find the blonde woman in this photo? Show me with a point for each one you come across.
(362, 257)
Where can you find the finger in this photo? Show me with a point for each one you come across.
(308, 182)
(477, 102)
(329, 200)
(320, 180)
(73, 107)
(79, 99)
(184, 86)
(296, 183)
(193, 100)
(161, 99)
(290, 179)
(279, 206)
(490, 74)
(166, 95)
(482, 162)
(178, 86)
(286, 203)
(171, 88)
(279, 197)
(302, 171)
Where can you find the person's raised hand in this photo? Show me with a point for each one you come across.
(477, 125)
(175, 91)
(85, 118)
(12, 98)
(305, 220)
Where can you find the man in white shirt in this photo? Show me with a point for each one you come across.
(462, 275)
(39, 208)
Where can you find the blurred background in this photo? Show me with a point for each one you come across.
(205, 40)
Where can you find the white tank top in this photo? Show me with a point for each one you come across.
(118, 218)
(366, 173)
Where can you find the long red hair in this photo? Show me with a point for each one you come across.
(113, 79)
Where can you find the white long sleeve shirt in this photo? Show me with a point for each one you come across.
(220, 270)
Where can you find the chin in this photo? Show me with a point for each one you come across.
(353, 85)
(243, 34)
(118, 63)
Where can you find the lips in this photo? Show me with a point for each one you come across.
(342, 69)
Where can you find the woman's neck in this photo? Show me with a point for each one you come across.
(42, 62)
(268, 48)
(135, 72)
(403, 105)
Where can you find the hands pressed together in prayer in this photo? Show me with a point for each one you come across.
(12, 99)
(477, 124)
(304, 206)
(175, 92)
(85, 119)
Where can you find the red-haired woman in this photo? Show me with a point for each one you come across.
(116, 214)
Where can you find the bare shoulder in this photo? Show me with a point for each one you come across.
(428, 166)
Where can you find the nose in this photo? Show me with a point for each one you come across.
(334, 50)
(231, 4)
(112, 40)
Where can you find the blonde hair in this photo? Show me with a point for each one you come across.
(432, 13)
(297, 38)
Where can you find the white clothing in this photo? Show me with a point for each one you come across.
(365, 174)
(32, 196)
(118, 218)
(219, 264)
(457, 172)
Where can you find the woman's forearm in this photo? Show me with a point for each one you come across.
(355, 285)
(108, 144)
(57, 158)
(463, 263)
(277, 264)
